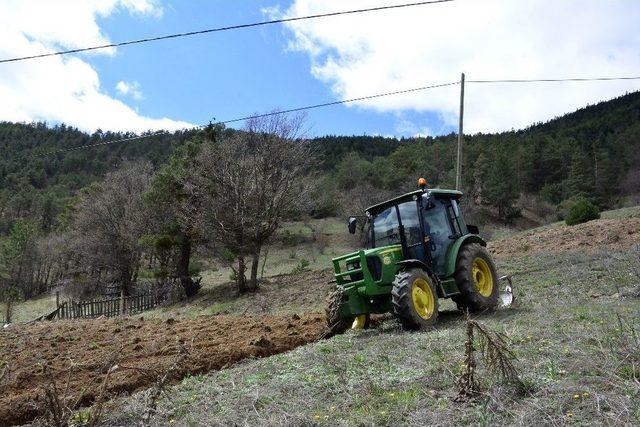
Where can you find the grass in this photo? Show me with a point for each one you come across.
(25, 311)
(622, 213)
(575, 336)
(295, 242)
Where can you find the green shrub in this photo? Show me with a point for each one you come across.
(195, 267)
(303, 265)
(582, 211)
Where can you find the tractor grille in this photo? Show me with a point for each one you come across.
(375, 267)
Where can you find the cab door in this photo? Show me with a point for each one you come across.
(437, 228)
(410, 219)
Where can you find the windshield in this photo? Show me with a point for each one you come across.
(385, 228)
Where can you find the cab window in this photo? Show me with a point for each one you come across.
(386, 228)
(410, 222)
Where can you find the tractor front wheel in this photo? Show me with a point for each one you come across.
(414, 298)
(338, 324)
(476, 278)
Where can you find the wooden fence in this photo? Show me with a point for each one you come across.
(107, 307)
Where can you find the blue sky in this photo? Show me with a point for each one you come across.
(177, 83)
(230, 74)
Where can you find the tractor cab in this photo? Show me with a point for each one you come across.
(424, 223)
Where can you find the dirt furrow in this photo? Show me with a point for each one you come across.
(80, 352)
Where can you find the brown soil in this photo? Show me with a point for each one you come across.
(285, 293)
(80, 351)
(590, 236)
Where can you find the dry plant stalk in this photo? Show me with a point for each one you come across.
(162, 382)
(58, 409)
(467, 385)
(4, 373)
(496, 356)
(96, 410)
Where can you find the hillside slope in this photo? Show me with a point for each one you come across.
(574, 331)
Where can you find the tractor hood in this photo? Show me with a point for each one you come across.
(375, 265)
(384, 251)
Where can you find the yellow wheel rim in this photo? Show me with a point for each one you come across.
(482, 277)
(359, 322)
(424, 301)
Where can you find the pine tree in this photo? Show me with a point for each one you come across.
(502, 189)
(480, 174)
(580, 182)
(605, 177)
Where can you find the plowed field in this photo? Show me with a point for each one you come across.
(80, 352)
(600, 234)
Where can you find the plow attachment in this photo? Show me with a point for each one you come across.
(506, 296)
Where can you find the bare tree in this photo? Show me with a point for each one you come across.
(250, 182)
(108, 223)
(26, 262)
(356, 200)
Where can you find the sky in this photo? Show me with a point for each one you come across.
(180, 83)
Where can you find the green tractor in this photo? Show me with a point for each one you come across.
(419, 250)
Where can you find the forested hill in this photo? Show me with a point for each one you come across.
(594, 151)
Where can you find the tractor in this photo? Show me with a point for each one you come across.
(419, 250)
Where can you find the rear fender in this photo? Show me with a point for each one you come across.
(452, 252)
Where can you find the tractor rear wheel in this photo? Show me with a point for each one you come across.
(338, 324)
(476, 278)
(414, 298)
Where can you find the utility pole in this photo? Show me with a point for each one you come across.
(460, 135)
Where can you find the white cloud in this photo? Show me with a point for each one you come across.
(487, 39)
(405, 126)
(64, 88)
(129, 89)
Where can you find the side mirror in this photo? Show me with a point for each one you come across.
(352, 225)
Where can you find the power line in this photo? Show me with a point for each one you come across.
(274, 113)
(219, 29)
(346, 101)
(585, 79)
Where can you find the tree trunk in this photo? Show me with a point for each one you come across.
(264, 261)
(182, 267)
(125, 278)
(191, 288)
(8, 312)
(241, 279)
(255, 263)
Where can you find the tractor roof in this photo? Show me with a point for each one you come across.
(436, 192)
